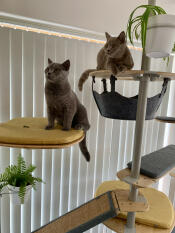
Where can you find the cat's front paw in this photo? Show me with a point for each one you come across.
(65, 128)
(115, 70)
(122, 68)
(48, 127)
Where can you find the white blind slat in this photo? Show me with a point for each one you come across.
(15, 210)
(26, 208)
(15, 73)
(36, 195)
(5, 115)
(46, 188)
(27, 73)
(55, 184)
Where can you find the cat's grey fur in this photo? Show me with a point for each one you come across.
(63, 104)
(114, 56)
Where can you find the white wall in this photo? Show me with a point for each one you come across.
(96, 15)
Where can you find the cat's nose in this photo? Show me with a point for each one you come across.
(108, 50)
(49, 73)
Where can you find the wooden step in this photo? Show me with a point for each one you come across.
(117, 225)
(134, 75)
(142, 182)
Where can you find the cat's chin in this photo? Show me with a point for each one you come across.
(113, 55)
(50, 80)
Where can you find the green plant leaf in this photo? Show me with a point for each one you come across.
(168, 60)
(173, 49)
(145, 20)
(21, 194)
(135, 30)
(140, 22)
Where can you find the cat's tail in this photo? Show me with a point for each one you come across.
(84, 77)
(84, 149)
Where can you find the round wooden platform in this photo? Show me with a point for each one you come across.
(118, 225)
(160, 214)
(30, 133)
(134, 75)
(165, 119)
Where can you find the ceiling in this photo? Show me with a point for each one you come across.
(95, 15)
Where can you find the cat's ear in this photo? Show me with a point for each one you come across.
(49, 61)
(66, 65)
(107, 36)
(122, 37)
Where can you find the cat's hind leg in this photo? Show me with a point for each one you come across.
(81, 119)
(67, 120)
(51, 119)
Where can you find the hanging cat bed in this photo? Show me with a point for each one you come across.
(113, 105)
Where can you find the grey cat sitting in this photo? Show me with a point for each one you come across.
(114, 56)
(63, 104)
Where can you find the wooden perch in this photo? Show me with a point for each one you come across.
(133, 75)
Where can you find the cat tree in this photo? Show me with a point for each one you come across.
(134, 178)
(140, 118)
(111, 203)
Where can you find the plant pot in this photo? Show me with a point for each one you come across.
(160, 36)
(14, 198)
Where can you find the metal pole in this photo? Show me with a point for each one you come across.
(135, 171)
(140, 119)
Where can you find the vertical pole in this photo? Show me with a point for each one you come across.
(135, 171)
(140, 118)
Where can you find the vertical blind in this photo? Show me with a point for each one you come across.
(70, 180)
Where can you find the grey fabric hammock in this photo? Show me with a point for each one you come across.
(115, 106)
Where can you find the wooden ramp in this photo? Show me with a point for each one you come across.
(84, 217)
(94, 212)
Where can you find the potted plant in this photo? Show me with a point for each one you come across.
(160, 36)
(19, 181)
(155, 28)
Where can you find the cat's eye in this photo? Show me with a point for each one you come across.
(46, 70)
